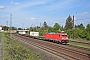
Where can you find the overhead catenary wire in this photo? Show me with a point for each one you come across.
(80, 11)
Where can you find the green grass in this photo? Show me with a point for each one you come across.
(79, 40)
(75, 40)
(82, 46)
(13, 50)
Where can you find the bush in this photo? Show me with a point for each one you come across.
(88, 37)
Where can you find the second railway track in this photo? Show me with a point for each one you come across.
(63, 51)
(80, 43)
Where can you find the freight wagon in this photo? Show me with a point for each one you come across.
(34, 34)
(22, 32)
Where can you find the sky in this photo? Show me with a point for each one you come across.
(27, 13)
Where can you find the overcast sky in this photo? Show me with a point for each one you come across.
(28, 12)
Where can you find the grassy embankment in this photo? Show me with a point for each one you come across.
(77, 40)
(13, 50)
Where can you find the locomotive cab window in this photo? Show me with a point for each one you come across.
(64, 34)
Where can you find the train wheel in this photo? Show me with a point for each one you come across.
(53, 41)
(58, 42)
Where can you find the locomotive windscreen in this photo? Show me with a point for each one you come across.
(64, 34)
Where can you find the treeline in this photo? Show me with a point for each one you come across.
(5, 28)
(45, 28)
(80, 31)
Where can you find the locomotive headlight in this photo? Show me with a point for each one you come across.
(66, 38)
(62, 38)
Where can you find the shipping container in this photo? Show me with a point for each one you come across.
(22, 32)
(34, 33)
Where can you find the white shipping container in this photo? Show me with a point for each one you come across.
(22, 32)
(34, 33)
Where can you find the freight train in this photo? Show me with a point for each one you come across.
(59, 37)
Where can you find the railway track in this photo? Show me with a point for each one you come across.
(80, 43)
(63, 51)
(75, 42)
(70, 41)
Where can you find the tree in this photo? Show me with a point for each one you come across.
(45, 25)
(56, 27)
(20, 28)
(69, 32)
(50, 29)
(76, 26)
(88, 31)
(34, 28)
(84, 34)
(68, 24)
(5, 28)
(81, 32)
(14, 28)
(81, 26)
(88, 28)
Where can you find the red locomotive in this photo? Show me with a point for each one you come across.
(60, 37)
